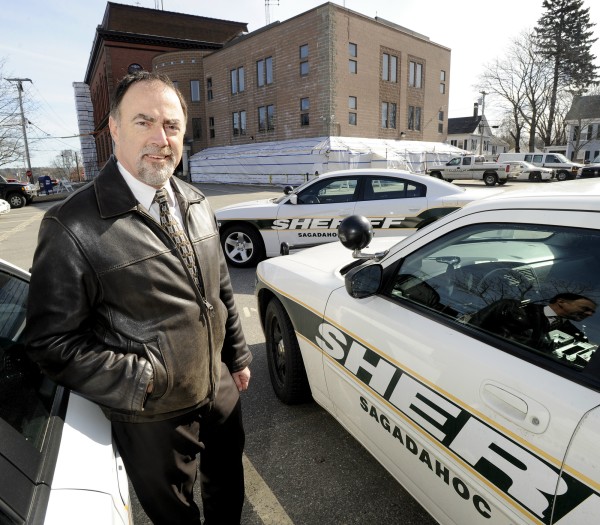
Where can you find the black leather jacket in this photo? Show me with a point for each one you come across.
(112, 307)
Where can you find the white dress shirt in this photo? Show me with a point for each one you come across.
(145, 196)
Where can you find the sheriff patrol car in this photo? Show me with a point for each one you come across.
(394, 201)
(487, 423)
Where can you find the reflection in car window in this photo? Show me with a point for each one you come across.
(25, 396)
(328, 191)
(536, 286)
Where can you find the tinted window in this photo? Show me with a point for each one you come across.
(25, 397)
(533, 286)
(329, 191)
(378, 188)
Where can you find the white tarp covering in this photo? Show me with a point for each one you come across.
(293, 161)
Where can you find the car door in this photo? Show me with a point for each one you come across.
(474, 421)
(28, 404)
(392, 204)
(318, 211)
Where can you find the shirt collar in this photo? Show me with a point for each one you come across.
(144, 193)
(548, 312)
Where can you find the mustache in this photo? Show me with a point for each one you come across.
(149, 150)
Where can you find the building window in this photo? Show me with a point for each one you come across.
(264, 71)
(211, 127)
(353, 49)
(352, 103)
(440, 122)
(304, 51)
(388, 115)
(414, 118)
(353, 67)
(237, 80)
(590, 132)
(209, 90)
(442, 82)
(195, 90)
(352, 118)
(415, 75)
(239, 123)
(304, 115)
(389, 68)
(304, 68)
(196, 128)
(266, 118)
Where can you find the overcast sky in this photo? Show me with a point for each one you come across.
(49, 42)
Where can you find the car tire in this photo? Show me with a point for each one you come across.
(242, 245)
(437, 175)
(535, 177)
(15, 200)
(490, 179)
(286, 368)
(562, 176)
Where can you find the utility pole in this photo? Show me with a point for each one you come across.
(19, 82)
(483, 94)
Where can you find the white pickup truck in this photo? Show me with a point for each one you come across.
(473, 167)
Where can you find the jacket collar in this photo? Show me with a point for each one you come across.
(115, 198)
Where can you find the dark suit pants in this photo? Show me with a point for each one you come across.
(161, 459)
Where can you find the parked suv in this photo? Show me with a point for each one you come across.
(565, 169)
(16, 193)
(591, 170)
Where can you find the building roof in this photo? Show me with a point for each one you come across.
(584, 107)
(144, 21)
(463, 125)
(140, 25)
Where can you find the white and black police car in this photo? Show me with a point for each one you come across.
(429, 352)
(58, 465)
(394, 201)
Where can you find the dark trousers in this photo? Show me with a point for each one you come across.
(161, 460)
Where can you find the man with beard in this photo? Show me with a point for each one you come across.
(131, 306)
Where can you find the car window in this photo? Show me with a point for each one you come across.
(454, 162)
(466, 161)
(25, 396)
(378, 188)
(328, 191)
(534, 286)
(538, 158)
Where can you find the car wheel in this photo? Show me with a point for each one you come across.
(536, 177)
(562, 175)
(16, 201)
(437, 175)
(490, 179)
(286, 368)
(242, 245)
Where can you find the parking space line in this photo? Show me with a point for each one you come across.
(248, 311)
(263, 501)
(20, 227)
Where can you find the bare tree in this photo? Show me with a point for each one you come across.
(519, 82)
(11, 144)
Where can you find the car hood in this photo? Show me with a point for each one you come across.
(329, 257)
(260, 204)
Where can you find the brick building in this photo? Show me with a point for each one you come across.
(327, 72)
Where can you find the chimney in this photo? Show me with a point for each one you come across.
(475, 109)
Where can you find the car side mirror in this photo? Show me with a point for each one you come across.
(293, 198)
(364, 281)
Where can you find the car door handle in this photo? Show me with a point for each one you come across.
(518, 408)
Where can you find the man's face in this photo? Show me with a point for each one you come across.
(148, 132)
(576, 310)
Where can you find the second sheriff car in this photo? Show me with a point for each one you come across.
(438, 353)
(394, 201)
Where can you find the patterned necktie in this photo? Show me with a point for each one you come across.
(175, 231)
